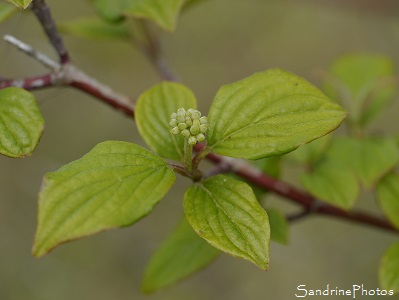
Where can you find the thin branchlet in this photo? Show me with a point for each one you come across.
(123, 104)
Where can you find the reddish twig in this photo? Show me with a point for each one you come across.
(32, 83)
(253, 175)
(66, 74)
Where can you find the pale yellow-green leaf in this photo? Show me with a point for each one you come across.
(226, 213)
(163, 12)
(21, 3)
(269, 113)
(21, 123)
(114, 185)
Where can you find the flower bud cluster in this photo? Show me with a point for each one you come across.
(189, 124)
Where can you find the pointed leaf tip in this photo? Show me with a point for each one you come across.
(114, 185)
(225, 212)
(180, 255)
(269, 113)
(21, 3)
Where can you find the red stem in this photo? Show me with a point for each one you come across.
(251, 174)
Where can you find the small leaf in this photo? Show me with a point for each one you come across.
(95, 28)
(110, 10)
(225, 212)
(365, 82)
(360, 72)
(388, 197)
(368, 158)
(380, 98)
(279, 227)
(269, 113)
(152, 114)
(21, 3)
(6, 10)
(181, 254)
(162, 12)
(21, 124)
(333, 184)
(114, 185)
(389, 269)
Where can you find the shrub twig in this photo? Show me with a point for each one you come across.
(68, 75)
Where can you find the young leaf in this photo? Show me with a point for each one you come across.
(360, 72)
(388, 197)
(162, 12)
(6, 10)
(334, 184)
(114, 185)
(366, 81)
(181, 254)
(389, 269)
(21, 3)
(269, 113)
(225, 212)
(21, 124)
(368, 158)
(153, 111)
(110, 10)
(95, 28)
(279, 227)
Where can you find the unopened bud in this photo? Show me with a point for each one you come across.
(200, 137)
(185, 133)
(203, 120)
(195, 115)
(182, 126)
(192, 140)
(194, 130)
(175, 130)
(203, 128)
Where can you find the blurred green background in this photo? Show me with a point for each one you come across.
(216, 42)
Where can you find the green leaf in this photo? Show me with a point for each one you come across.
(6, 10)
(152, 114)
(21, 3)
(389, 269)
(369, 158)
(269, 113)
(380, 98)
(332, 183)
(162, 12)
(365, 82)
(388, 197)
(359, 72)
(95, 28)
(114, 185)
(181, 254)
(225, 212)
(21, 124)
(110, 10)
(279, 228)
